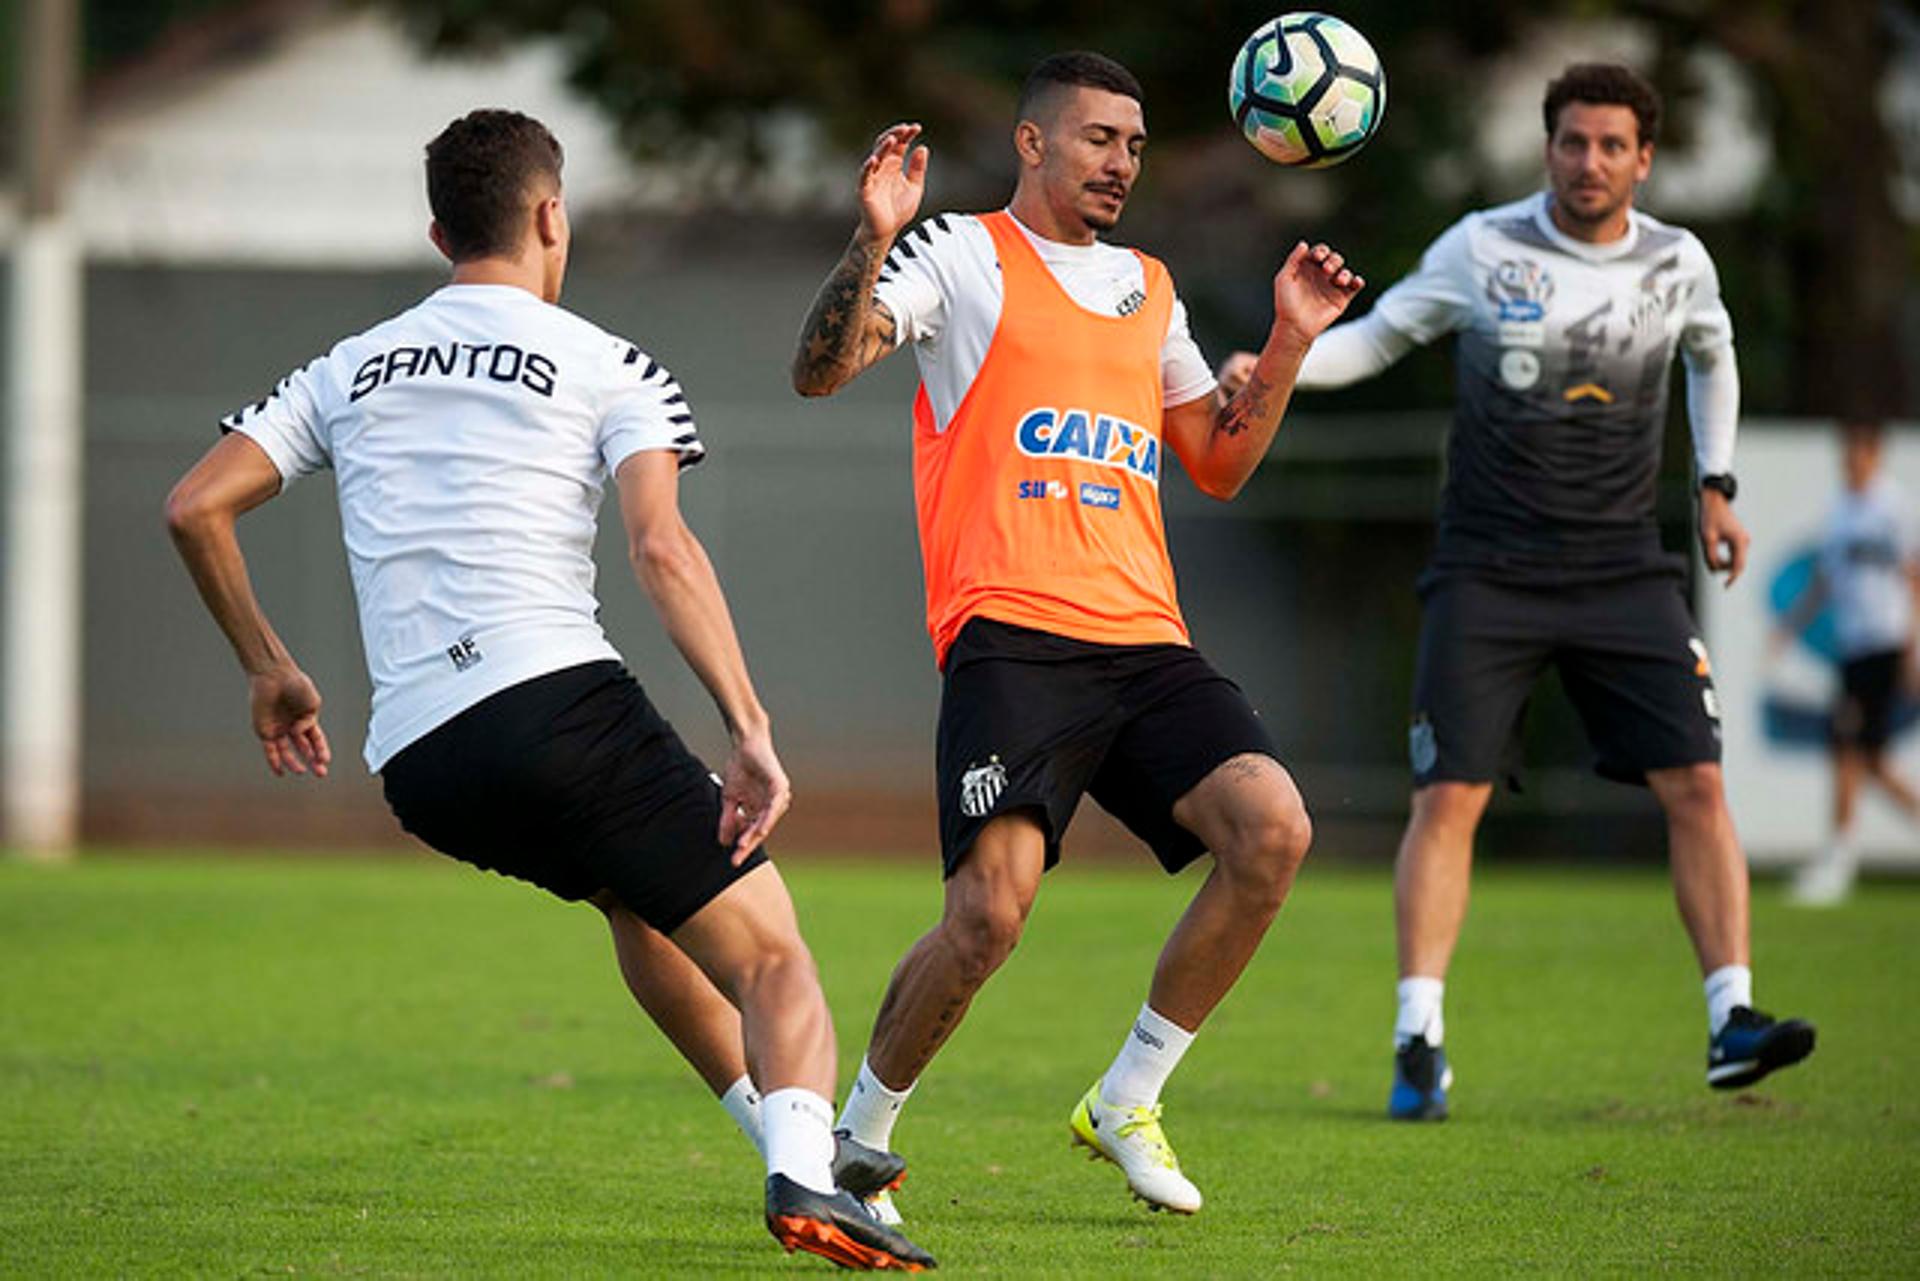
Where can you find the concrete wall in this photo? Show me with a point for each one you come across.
(1301, 590)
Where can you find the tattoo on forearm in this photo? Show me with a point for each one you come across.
(844, 331)
(1246, 409)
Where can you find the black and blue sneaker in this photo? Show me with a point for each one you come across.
(1421, 1079)
(1753, 1044)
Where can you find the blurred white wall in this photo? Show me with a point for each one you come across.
(308, 151)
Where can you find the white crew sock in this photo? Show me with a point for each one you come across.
(1147, 1057)
(798, 1125)
(872, 1109)
(1728, 986)
(1420, 1011)
(742, 1103)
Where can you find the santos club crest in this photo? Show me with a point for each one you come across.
(981, 786)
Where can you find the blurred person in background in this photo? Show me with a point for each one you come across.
(471, 438)
(1568, 308)
(1866, 576)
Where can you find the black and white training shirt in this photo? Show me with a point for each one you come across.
(1563, 358)
(471, 438)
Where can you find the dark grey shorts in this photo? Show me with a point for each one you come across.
(1627, 653)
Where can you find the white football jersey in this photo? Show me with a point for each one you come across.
(1864, 556)
(470, 439)
(942, 283)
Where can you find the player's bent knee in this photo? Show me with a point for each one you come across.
(1266, 853)
(981, 939)
(1451, 804)
(1691, 791)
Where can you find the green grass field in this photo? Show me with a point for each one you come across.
(398, 1067)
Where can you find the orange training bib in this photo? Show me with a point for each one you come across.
(1039, 505)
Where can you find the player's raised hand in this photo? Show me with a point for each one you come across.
(1723, 539)
(892, 181)
(754, 793)
(1312, 289)
(286, 717)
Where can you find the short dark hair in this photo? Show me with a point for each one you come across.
(1078, 68)
(480, 172)
(1865, 429)
(1605, 84)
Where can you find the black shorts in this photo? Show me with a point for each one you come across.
(574, 782)
(1031, 721)
(1869, 687)
(1628, 656)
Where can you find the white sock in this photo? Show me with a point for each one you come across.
(1147, 1057)
(872, 1109)
(742, 1103)
(798, 1125)
(1420, 1011)
(1728, 986)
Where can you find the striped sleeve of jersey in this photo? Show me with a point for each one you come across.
(644, 408)
(914, 280)
(289, 423)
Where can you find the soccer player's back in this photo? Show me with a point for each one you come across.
(472, 437)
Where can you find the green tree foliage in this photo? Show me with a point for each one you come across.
(1817, 272)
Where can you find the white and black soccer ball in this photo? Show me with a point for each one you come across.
(1307, 90)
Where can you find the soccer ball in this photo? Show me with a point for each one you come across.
(1307, 90)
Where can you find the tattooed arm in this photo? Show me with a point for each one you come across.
(1220, 445)
(846, 330)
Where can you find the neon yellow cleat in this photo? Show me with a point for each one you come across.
(1132, 1139)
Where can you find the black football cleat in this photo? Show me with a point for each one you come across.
(864, 1171)
(1753, 1044)
(1421, 1079)
(838, 1229)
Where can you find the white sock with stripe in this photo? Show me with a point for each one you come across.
(1420, 1012)
(798, 1125)
(1728, 986)
(871, 1109)
(1152, 1049)
(742, 1103)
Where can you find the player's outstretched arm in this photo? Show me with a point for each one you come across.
(234, 477)
(1221, 444)
(846, 331)
(677, 577)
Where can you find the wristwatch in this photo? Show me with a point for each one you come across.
(1721, 483)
